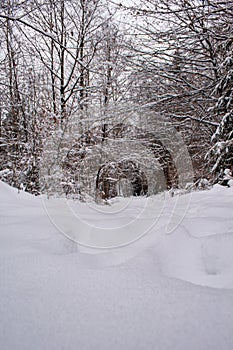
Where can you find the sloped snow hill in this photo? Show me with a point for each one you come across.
(165, 291)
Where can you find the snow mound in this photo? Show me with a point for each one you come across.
(56, 294)
(8, 193)
(200, 249)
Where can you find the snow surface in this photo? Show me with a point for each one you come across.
(164, 291)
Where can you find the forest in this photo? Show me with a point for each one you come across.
(101, 98)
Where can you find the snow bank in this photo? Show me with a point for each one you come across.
(57, 295)
(200, 249)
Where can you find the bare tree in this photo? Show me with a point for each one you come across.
(59, 57)
(178, 50)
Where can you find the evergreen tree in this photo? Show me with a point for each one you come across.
(222, 150)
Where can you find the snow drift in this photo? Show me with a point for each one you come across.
(164, 291)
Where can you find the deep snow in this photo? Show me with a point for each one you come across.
(164, 291)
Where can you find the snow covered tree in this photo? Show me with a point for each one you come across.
(58, 58)
(24, 100)
(178, 50)
(222, 151)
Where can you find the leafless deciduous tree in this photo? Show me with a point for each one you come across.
(179, 52)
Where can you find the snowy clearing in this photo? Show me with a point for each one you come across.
(164, 291)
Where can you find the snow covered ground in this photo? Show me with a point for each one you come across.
(170, 289)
